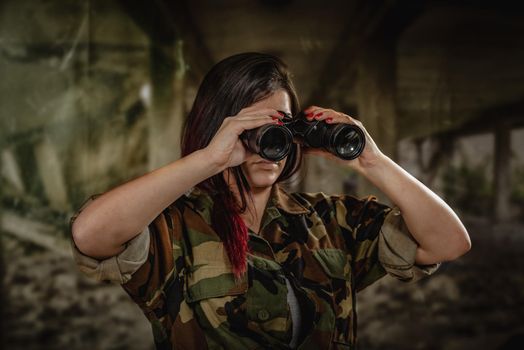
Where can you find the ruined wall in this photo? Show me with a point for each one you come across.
(88, 101)
(74, 96)
(73, 116)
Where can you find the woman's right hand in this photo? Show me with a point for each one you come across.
(226, 149)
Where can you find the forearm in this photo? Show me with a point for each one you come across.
(434, 225)
(118, 215)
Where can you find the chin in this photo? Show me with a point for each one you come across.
(261, 177)
(263, 182)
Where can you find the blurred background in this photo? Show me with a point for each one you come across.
(93, 93)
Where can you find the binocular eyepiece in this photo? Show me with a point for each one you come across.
(273, 142)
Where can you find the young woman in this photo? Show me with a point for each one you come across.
(218, 255)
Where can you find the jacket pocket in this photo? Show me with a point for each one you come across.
(256, 302)
(336, 263)
(211, 281)
(211, 275)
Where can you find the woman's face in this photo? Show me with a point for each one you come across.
(260, 172)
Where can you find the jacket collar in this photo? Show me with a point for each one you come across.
(283, 200)
(278, 199)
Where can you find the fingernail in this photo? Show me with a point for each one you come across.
(318, 115)
(280, 122)
(282, 114)
(329, 119)
(309, 115)
(275, 118)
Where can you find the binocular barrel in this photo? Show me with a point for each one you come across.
(273, 142)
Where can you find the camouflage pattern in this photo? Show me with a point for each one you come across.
(326, 245)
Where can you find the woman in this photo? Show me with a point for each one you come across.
(218, 255)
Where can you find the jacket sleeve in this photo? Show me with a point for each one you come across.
(147, 261)
(397, 249)
(118, 268)
(378, 240)
(150, 269)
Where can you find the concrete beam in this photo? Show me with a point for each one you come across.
(50, 170)
(166, 115)
(11, 170)
(368, 22)
(166, 21)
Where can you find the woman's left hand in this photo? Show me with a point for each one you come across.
(371, 153)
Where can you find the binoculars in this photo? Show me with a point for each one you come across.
(273, 142)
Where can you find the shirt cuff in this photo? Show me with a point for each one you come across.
(118, 268)
(397, 249)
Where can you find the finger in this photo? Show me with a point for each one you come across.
(247, 124)
(264, 119)
(273, 112)
(237, 122)
(311, 108)
(323, 114)
(343, 118)
(319, 114)
(258, 115)
(311, 112)
(259, 111)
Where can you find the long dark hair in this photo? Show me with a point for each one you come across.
(232, 84)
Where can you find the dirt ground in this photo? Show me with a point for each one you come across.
(475, 302)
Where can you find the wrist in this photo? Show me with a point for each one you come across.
(207, 157)
(377, 165)
(368, 166)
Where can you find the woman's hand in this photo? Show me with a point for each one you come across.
(371, 153)
(226, 149)
(440, 234)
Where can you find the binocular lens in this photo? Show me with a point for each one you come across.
(348, 142)
(275, 143)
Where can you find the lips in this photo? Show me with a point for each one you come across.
(265, 162)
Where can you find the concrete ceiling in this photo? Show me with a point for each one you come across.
(455, 59)
(303, 35)
(459, 63)
(320, 41)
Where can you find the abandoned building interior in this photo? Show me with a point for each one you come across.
(94, 93)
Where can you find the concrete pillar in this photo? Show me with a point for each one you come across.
(3, 300)
(375, 93)
(165, 118)
(376, 88)
(502, 174)
(11, 170)
(51, 174)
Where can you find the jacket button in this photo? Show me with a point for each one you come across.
(263, 315)
(260, 264)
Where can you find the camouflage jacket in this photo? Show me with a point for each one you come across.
(328, 246)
